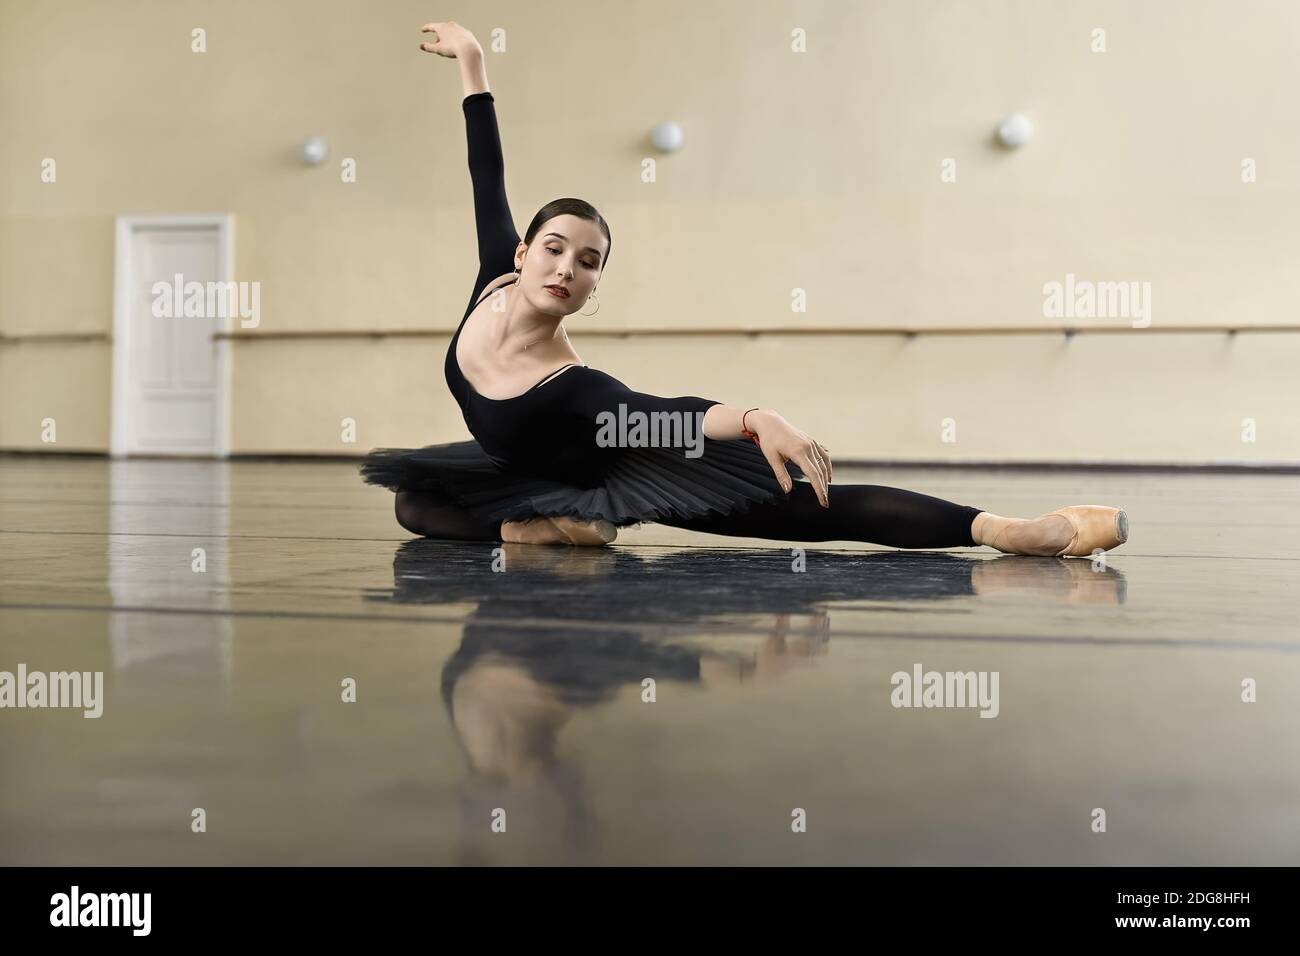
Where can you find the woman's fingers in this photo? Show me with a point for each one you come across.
(777, 463)
(813, 451)
(826, 458)
(815, 474)
(431, 45)
(441, 32)
(790, 444)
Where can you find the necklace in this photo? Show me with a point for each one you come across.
(563, 334)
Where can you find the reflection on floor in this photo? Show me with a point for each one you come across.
(676, 698)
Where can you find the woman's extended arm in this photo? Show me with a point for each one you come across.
(777, 438)
(497, 238)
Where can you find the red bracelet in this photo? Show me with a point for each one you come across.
(746, 432)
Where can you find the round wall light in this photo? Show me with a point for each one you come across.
(1015, 131)
(314, 151)
(667, 137)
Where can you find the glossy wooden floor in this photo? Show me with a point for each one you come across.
(483, 695)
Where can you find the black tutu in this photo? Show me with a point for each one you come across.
(644, 484)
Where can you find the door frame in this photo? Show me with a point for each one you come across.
(123, 268)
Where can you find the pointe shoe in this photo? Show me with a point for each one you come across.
(591, 533)
(1095, 526)
(531, 531)
(558, 529)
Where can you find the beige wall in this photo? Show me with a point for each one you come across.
(817, 171)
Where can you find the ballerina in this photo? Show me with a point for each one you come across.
(542, 469)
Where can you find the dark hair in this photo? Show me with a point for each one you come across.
(570, 207)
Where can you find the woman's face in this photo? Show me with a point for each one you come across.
(567, 253)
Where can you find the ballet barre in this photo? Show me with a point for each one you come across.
(757, 331)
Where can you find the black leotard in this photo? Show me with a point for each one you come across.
(550, 430)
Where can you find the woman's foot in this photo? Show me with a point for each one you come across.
(558, 529)
(1096, 528)
(1077, 531)
(591, 533)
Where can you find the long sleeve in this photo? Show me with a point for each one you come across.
(601, 392)
(497, 238)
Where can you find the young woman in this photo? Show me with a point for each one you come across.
(542, 467)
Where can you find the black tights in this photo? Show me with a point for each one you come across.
(876, 514)
(427, 514)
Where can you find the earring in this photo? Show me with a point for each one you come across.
(590, 314)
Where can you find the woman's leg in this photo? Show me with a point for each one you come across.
(433, 516)
(874, 513)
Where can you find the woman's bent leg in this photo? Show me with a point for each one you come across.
(434, 516)
(878, 514)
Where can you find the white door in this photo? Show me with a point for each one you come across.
(169, 373)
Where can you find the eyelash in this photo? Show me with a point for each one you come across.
(557, 252)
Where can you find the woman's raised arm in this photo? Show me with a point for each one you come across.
(498, 239)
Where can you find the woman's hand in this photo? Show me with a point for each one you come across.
(781, 442)
(450, 39)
